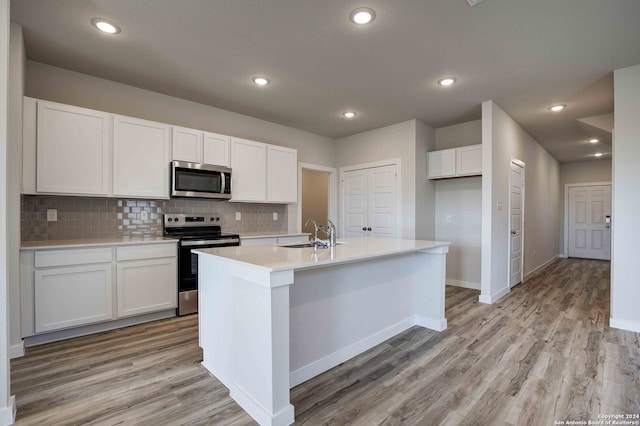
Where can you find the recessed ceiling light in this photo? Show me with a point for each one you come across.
(446, 81)
(349, 114)
(556, 108)
(594, 140)
(598, 154)
(362, 15)
(105, 26)
(261, 81)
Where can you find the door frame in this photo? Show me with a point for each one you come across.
(565, 242)
(333, 193)
(391, 162)
(521, 164)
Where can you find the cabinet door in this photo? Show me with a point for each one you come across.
(146, 286)
(72, 296)
(140, 158)
(282, 174)
(441, 163)
(72, 150)
(469, 160)
(249, 170)
(187, 145)
(215, 149)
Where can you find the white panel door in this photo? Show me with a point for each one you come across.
(370, 202)
(382, 201)
(516, 206)
(73, 147)
(356, 202)
(589, 234)
(141, 153)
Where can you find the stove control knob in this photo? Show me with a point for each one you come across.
(176, 219)
(217, 219)
(169, 220)
(212, 219)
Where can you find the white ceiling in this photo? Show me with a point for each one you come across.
(525, 55)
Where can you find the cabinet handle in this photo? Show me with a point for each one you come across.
(364, 228)
(369, 229)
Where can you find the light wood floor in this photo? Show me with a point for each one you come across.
(542, 353)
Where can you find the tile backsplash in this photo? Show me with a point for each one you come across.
(83, 217)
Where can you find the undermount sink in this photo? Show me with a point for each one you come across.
(305, 245)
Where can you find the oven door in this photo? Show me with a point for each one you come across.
(188, 271)
(200, 180)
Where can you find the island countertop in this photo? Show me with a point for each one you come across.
(279, 258)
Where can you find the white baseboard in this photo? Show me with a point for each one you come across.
(8, 413)
(431, 324)
(465, 284)
(623, 324)
(16, 351)
(494, 297)
(323, 364)
(539, 269)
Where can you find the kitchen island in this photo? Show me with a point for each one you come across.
(272, 317)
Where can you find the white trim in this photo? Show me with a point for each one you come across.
(325, 363)
(333, 193)
(565, 242)
(623, 324)
(8, 413)
(431, 324)
(521, 164)
(465, 284)
(16, 351)
(540, 268)
(494, 297)
(391, 162)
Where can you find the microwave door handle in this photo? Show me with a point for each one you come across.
(224, 182)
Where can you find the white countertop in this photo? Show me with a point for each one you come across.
(277, 258)
(247, 235)
(81, 243)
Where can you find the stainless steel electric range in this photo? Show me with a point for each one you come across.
(194, 231)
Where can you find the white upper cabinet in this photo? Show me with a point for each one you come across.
(197, 146)
(215, 149)
(187, 145)
(73, 146)
(141, 153)
(249, 170)
(441, 163)
(469, 160)
(455, 162)
(282, 169)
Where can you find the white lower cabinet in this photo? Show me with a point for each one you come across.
(72, 296)
(66, 288)
(146, 286)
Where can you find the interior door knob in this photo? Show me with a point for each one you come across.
(513, 232)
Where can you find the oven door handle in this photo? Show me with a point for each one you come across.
(191, 243)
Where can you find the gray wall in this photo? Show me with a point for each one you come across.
(503, 140)
(460, 200)
(625, 291)
(581, 172)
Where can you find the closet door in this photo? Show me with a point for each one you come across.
(370, 202)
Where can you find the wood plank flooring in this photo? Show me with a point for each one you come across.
(542, 353)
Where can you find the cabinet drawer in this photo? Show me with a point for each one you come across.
(47, 258)
(148, 251)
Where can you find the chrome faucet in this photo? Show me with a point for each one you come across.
(330, 230)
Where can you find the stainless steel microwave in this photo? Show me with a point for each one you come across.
(200, 180)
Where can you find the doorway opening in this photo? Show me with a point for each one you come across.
(317, 195)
